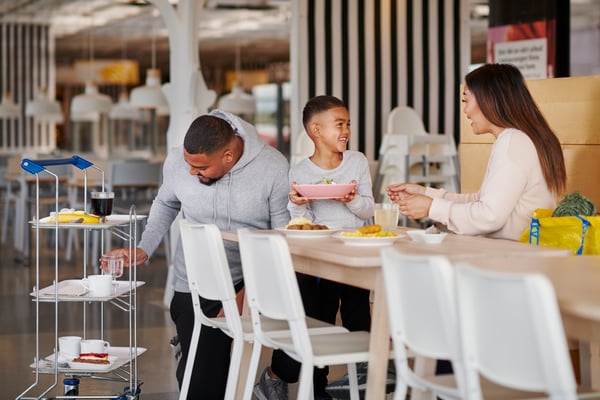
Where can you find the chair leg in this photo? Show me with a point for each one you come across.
(252, 369)
(305, 388)
(234, 368)
(353, 382)
(189, 365)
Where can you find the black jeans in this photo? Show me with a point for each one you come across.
(321, 299)
(209, 376)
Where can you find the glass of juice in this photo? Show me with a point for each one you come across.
(102, 204)
(386, 215)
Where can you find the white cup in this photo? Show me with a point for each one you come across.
(94, 346)
(386, 215)
(69, 346)
(98, 285)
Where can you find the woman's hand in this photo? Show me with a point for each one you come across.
(140, 255)
(400, 191)
(415, 206)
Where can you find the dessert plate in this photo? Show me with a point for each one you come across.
(83, 366)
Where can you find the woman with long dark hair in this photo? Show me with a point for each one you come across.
(526, 169)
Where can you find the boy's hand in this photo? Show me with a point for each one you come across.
(350, 196)
(295, 197)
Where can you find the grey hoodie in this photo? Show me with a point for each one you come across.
(253, 194)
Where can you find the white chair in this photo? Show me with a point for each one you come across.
(512, 334)
(409, 154)
(303, 147)
(272, 291)
(422, 317)
(503, 327)
(403, 120)
(209, 276)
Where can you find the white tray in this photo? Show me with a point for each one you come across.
(119, 356)
(111, 220)
(73, 290)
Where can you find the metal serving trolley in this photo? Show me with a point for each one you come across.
(122, 365)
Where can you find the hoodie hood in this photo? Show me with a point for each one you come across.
(253, 145)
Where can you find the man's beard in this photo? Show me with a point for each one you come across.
(209, 183)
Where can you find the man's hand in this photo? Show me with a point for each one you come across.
(140, 255)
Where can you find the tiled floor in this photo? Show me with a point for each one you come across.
(17, 331)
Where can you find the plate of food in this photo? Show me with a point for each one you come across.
(92, 362)
(324, 190)
(369, 235)
(304, 228)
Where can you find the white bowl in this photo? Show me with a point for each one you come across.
(422, 237)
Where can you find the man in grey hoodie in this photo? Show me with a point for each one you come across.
(223, 175)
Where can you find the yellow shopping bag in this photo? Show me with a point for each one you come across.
(580, 234)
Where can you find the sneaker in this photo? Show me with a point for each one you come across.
(176, 346)
(340, 389)
(269, 388)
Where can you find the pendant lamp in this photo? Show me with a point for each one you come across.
(123, 110)
(238, 101)
(150, 95)
(90, 105)
(8, 109)
(44, 109)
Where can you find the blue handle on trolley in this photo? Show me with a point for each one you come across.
(37, 166)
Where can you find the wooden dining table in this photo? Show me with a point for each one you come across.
(360, 265)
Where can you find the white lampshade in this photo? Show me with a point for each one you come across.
(44, 109)
(238, 102)
(8, 109)
(123, 110)
(90, 105)
(150, 95)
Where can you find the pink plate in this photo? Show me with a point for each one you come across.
(325, 190)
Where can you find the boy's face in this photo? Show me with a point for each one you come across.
(332, 128)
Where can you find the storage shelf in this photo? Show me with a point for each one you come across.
(111, 222)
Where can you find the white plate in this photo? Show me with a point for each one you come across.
(82, 366)
(367, 241)
(297, 233)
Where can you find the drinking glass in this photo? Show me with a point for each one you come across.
(112, 264)
(102, 204)
(386, 215)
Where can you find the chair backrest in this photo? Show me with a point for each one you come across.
(422, 310)
(512, 332)
(136, 172)
(269, 278)
(404, 120)
(205, 260)
(303, 147)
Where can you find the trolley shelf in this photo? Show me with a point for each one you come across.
(119, 356)
(111, 222)
(72, 290)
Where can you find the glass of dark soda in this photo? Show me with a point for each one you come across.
(102, 204)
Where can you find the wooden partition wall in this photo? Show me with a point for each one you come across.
(572, 108)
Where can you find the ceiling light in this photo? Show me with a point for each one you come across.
(8, 109)
(238, 101)
(89, 105)
(44, 109)
(150, 95)
(123, 110)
